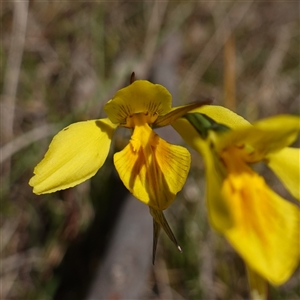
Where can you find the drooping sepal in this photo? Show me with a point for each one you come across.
(159, 221)
(75, 154)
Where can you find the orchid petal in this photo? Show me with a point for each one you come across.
(141, 96)
(222, 115)
(266, 231)
(154, 172)
(75, 154)
(219, 213)
(264, 137)
(286, 165)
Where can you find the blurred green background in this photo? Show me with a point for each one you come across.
(60, 63)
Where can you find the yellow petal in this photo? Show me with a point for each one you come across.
(75, 154)
(222, 115)
(258, 285)
(141, 96)
(286, 165)
(154, 172)
(264, 137)
(219, 214)
(266, 231)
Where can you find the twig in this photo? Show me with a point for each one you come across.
(273, 65)
(213, 46)
(267, 80)
(154, 26)
(11, 265)
(125, 267)
(15, 261)
(229, 74)
(11, 77)
(6, 233)
(26, 139)
(162, 280)
(207, 268)
(7, 283)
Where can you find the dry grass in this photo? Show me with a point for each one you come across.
(61, 61)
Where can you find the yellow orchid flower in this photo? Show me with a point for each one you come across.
(261, 225)
(153, 170)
